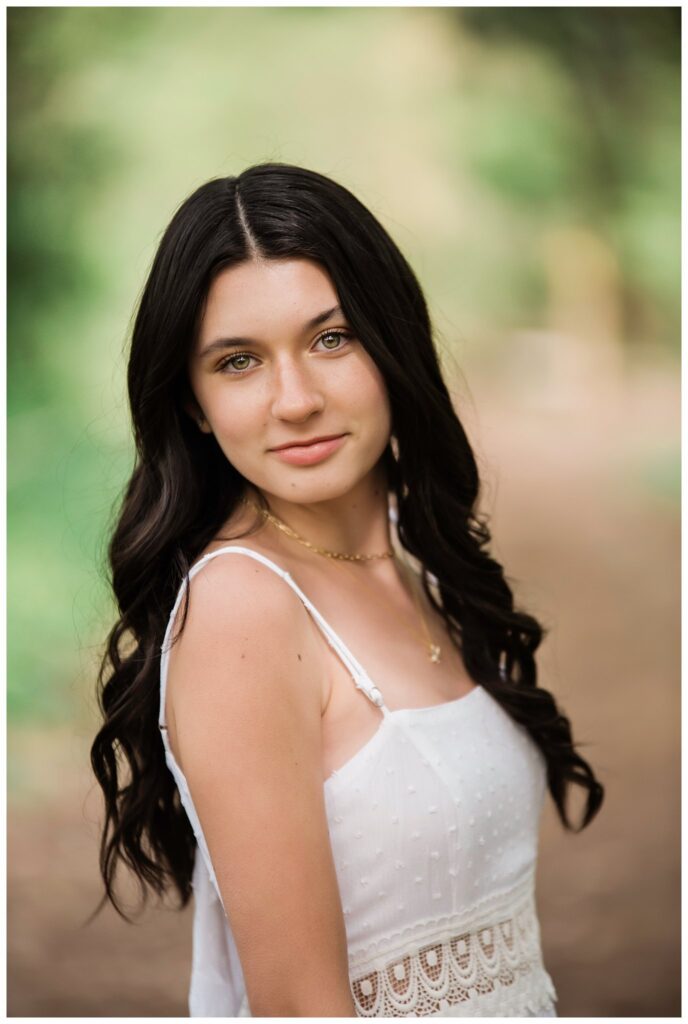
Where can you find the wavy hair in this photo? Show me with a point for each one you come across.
(183, 488)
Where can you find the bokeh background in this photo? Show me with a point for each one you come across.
(527, 163)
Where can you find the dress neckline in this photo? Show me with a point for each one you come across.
(434, 707)
(389, 716)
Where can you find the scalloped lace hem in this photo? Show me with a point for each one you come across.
(492, 971)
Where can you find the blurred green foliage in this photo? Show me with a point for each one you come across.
(471, 133)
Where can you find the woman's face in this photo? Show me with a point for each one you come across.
(275, 363)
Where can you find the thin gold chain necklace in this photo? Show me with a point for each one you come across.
(434, 650)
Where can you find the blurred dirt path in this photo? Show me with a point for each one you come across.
(594, 554)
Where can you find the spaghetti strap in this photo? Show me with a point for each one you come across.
(358, 674)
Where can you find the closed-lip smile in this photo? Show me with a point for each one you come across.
(305, 444)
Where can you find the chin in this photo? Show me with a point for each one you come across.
(311, 488)
(312, 492)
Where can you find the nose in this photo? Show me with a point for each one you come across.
(296, 394)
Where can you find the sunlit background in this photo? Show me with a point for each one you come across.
(526, 161)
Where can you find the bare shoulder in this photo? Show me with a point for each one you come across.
(237, 584)
(246, 648)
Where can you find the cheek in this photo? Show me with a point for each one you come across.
(367, 393)
(236, 413)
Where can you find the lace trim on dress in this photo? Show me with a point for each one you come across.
(497, 905)
(494, 970)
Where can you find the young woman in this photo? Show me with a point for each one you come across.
(320, 704)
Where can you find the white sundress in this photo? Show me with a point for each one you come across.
(434, 830)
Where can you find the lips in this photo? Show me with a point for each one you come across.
(305, 444)
(311, 452)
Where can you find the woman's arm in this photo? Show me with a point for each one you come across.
(245, 688)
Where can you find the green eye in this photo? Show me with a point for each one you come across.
(235, 362)
(336, 337)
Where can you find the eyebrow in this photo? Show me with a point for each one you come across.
(220, 344)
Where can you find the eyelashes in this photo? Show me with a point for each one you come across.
(229, 364)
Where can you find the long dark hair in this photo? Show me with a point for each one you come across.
(182, 489)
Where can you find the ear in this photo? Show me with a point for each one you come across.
(203, 424)
(193, 409)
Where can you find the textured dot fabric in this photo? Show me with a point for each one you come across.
(434, 830)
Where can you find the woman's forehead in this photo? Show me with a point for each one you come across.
(258, 290)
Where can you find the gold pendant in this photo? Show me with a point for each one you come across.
(435, 652)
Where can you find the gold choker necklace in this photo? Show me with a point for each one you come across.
(320, 551)
(434, 650)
